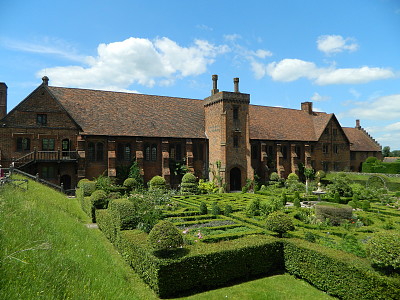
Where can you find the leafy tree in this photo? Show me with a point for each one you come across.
(386, 151)
(134, 172)
(279, 222)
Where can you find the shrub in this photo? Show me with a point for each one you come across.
(336, 213)
(274, 176)
(383, 250)
(293, 177)
(99, 199)
(284, 198)
(253, 208)
(134, 172)
(296, 202)
(104, 183)
(365, 205)
(124, 214)
(310, 237)
(157, 183)
(87, 186)
(130, 184)
(320, 174)
(336, 198)
(189, 184)
(215, 209)
(340, 184)
(207, 187)
(228, 210)
(203, 208)
(165, 237)
(279, 222)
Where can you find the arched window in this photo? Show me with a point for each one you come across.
(235, 141)
(120, 151)
(99, 151)
(146, 152)
(154, 152)
(90, 151)
(127, 152)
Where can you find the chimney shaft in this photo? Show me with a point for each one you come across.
(307, 107)
(236, 84)
(215, 85)
(358, 124)
(45, 80)
(3, 100)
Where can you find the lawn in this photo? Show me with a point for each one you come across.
(48, 252)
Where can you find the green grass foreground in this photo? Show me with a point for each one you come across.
(47, 252)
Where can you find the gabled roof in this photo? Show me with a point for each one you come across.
(360, 140)
(129, 114)
(280, 124)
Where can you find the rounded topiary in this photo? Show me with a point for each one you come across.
(99, 199)
(279, 222)
(157, 183)
(189, 184)
(274, 176)
(253, 208)
(165, 237)
(130, 184)
(228, 210)
(203, 208)
(293, 177)
(296, 202)
(384, 250)
(215, 209)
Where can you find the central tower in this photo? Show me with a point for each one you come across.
(227, 130)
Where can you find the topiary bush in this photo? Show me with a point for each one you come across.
(189, 184)
(279, 222)
(274, 176)
(130, 184)
(157, 183)
(215, 209)
(383, 250)
(253, 208)
(164, 237)
(87, 186)
(228, 210)
(99, 199)
(203, 208)
(336, 213)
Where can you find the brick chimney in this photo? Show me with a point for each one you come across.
(236, 84)
(307, 107)
(358, 126)
(215, 89)
(45, 80)
(3, 100)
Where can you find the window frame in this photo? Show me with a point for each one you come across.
(41, 119)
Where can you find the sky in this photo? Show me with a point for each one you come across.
(342, 55)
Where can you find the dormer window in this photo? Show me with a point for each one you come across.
(41, 119)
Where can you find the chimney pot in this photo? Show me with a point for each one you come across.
(45, 80)
(236, 84)
(215, 84)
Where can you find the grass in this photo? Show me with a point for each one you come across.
(48, 252)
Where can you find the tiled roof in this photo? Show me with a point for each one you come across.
(283, 124)
(129, 114)
(360, 140)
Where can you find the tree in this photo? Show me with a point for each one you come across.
(309, 174)
(386, 151)
(279, 222)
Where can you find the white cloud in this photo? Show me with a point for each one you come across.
(232, 37)
(393, 127)
(353, 75)
(382, 108)
(317, 97)
(330, 44)
(137, 60)
(293, 69)
(356, 94)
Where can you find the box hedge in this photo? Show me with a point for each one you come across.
(337, 273)
(205, 266)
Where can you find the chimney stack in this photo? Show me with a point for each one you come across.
(307, 107)
(236, 84)
(358, 126)
(3, 100)
(45, 80)
(215, 85)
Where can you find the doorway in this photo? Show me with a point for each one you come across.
(65, 180)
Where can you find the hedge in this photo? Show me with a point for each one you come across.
(335, 212)
(337, 273)
(107, 225)
(381, 167)
(124, 214)
(205, 266)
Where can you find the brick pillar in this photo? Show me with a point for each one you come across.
(307, 156)
(111, 158)
(294, 168)
(80, 148)
(139, 155)
(165, 161)
(189, 155)
(279, 167)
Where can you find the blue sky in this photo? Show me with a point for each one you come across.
(342, 55)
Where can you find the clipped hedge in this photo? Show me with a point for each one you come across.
(88, 187)
(336, 213)
(205, 266)
(124, 214)
(337, 273)
(381, 167)
(107, 225)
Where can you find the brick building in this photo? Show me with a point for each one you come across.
(65, 134)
